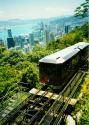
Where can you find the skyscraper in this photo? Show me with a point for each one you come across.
(52, 37)
(10, 41)
(67, 28)
(9, 33)
(47, 36)
(31, 38)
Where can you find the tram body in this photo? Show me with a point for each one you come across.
(56, 69)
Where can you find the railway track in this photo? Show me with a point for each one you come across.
(54, 114)
(60, 115)
(34, 109)
(40, 110)
(7, 114)
(13, 105)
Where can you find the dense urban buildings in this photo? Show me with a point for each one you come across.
(44, 32)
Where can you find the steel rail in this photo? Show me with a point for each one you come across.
(60, 115)
(35, 101)
(16, 111)
(55, 107)
(41, 109)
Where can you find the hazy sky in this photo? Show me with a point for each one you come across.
(29, 9)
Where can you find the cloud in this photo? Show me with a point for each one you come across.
(58, 11)
(1, 12)
(35, 12)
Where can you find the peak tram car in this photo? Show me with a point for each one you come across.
(56, 69)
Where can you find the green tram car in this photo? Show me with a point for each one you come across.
(56, 69)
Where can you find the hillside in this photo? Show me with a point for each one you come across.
(16, 68)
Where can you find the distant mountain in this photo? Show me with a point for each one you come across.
(16, 22)
(20, 21)
(53, 20)
(68, 20)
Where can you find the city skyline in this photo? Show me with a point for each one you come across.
(33, 9)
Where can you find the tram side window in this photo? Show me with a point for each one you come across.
(84, 54)
(65, 69)
(75, 61)
(51, 69)
(58, 71)
(48, 68)
(42, 67)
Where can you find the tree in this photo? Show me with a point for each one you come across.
(31, 76)
(11, 57)
(53, 45)
(82, 10)
(37, 53)
(9, 76)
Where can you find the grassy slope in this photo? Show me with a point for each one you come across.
(83, 103)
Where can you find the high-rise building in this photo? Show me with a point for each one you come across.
(27, 48)
(9, 33)
(67, 29)
(42, 27)
(52, 37)
(10, 40)
(47, 36)
(31, 38)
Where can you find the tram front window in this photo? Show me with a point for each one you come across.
(47, 72)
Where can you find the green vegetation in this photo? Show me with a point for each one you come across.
(13, 103)
(79, 34)
(37, 53)
(82, 10)
(83, 103)
(16, 67)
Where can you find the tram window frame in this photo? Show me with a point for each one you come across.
(64, 70)
(47, 69)
(42, 67)
(75, 61)
(52, 73)
(59, 71)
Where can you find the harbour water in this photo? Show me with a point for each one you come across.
(17, 30)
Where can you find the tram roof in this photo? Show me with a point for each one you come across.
(81, 45)
(65, 54)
